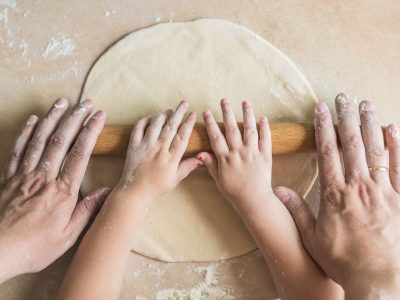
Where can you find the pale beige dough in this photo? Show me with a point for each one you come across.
(201, 61)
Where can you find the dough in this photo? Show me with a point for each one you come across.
(201, 61)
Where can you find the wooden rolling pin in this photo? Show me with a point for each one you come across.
(286, 138)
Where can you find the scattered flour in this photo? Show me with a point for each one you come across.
(4, 16)
(204, 289)
(23, 47)
(108, 13)
(57, 46)
(10, 3)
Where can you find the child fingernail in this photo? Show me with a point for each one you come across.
(60, 103)
(98, 115)
(32, 120)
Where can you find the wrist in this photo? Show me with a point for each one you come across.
(8, 268)
(246, 203)
(133, 193)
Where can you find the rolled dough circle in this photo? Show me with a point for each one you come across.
(202, 61)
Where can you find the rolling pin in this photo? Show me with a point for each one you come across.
(286, 138)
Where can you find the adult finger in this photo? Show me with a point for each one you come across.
(217, 139)
(138, 133)
(77, 159)
(61, 140)
(154, 129)
(181, 139)
(373, 142)
(232, 132)
(210, 162)
(18, 151)
(350, 138)
(174, 121)
(43, 132)
(187, 166)
(264, 143)
(393, 144)
(83, 212)
(330, 166)
(250, 134)
(300, 211)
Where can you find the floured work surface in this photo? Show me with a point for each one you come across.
(337, 45)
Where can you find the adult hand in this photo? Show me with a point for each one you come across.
(248, 158)
(40, 217)
(153, 163)
(356, 236)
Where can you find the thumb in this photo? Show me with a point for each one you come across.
(210, 162)
(85, 209)
(299, 209)
(187, 166)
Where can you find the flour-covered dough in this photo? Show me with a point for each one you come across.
(202, 61)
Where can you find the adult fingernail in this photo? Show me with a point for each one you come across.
(394, 131)
(342, 98)
(32, 120)
(365, 107)
(82, 107)
(99, 115)
(321, 107)
(60, 103)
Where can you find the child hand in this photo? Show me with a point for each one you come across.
(153, 162)
(241, 165)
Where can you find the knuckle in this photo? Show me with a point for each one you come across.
(332, 194)
(64, 188)
(169, 126)
(351, 143)
(34, 144)
(78, 152)
(251, 131)
(180, 137)
(375, 152)
(231, 129)
(327, 149)
(57, 140)
(215, 136)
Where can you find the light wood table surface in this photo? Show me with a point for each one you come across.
(339, 45)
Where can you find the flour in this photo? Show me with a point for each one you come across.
(9, 3)
(58, 46)
(204, 289)
(108, 13)
(23, 47)
(4, 16)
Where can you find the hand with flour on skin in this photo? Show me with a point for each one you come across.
(40, 217)
(356, 236)
(241, 166)
(153, 167)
